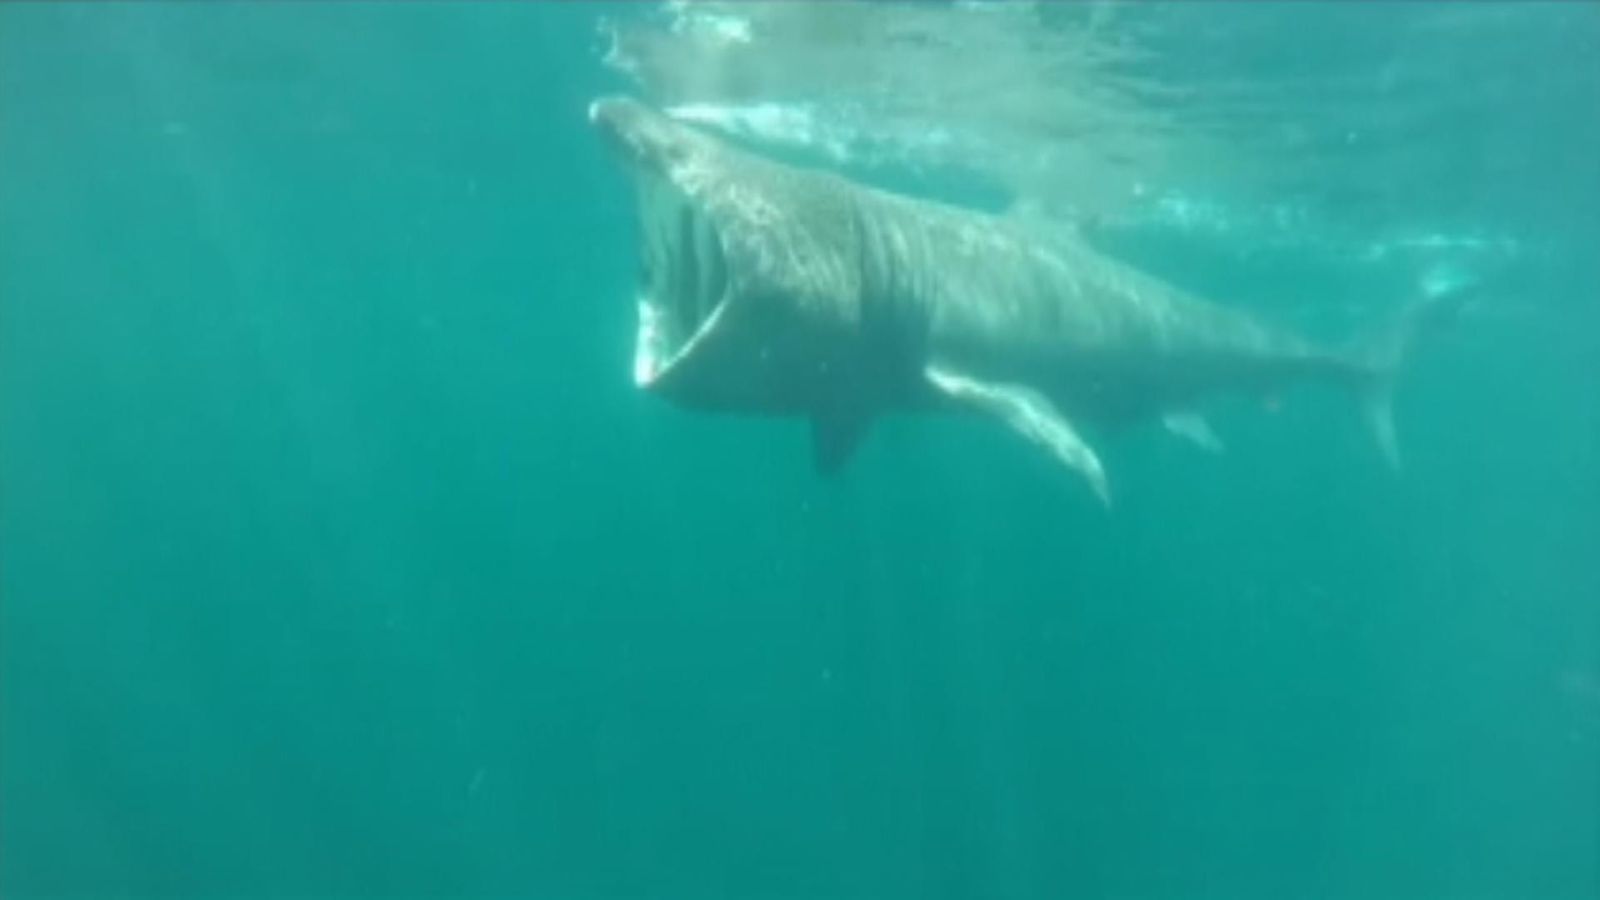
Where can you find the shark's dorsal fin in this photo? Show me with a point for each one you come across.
(835, 435)
(1193, 427)
(1032, 415)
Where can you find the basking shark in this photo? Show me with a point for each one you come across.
(766, 288)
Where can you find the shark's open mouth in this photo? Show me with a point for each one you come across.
(684, 283)
(683, 276)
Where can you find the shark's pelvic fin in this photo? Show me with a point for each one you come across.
(1029, 413)
(1193, 428)
(1377, 407)
(835, 435)
(1385, 354)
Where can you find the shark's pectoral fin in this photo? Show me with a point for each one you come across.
(1193, 428)
(1029, 413)
(835, 435)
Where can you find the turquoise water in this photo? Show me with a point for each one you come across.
(339, 556)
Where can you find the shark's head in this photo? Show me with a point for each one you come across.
(744, 286)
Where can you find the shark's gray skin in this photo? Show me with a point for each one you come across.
(771, 289)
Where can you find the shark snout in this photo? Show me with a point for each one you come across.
(609, 116)
(643, 137)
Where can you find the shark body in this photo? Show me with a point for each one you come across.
(771, 289)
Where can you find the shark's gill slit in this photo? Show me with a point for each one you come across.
(658, 326)
(688, 299)
(660, 265)
(713, 269)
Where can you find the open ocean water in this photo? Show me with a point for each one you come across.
(339, 556)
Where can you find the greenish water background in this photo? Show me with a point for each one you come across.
(339, 557)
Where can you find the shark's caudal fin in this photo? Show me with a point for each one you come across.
(1381, 357)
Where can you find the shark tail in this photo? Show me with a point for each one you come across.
(1379, 360)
